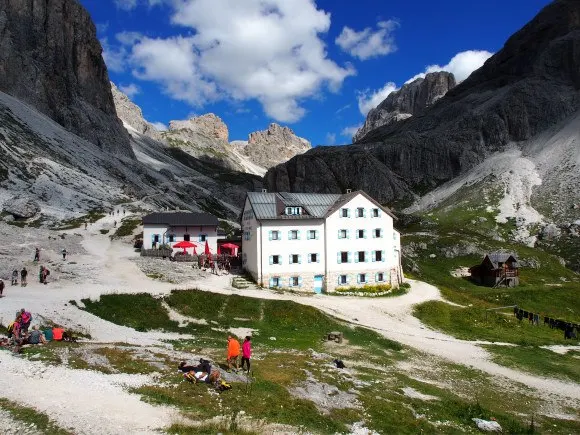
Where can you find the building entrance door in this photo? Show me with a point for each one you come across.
(318, 283)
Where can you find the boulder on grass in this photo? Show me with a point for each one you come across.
(487, 425)
(22, 208)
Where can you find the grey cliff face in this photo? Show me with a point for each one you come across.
(529, 86)
(275, 145)
(51, 58)
(131, 114)
(411, 99)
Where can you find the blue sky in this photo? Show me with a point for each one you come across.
(316, 66)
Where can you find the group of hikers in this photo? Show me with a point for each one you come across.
(18, 334)
(203, 371)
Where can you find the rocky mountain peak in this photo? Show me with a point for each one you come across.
(132, 115)
(411, 99)
(51, 59)
(274, 145)
(209, 125)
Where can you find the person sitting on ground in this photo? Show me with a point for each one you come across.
(25, 319)
(57, 333)
(36, 337)
(233, 352)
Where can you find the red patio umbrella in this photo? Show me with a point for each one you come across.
(185, 244)
(207, 251)
(232, 247)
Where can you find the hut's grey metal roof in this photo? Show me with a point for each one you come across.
(501, 257)
(271, 205)
(181, 218)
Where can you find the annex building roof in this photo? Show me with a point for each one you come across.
(271, 205)
(181, 218)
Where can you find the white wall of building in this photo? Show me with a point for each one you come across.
(258, 248)
(163, 232)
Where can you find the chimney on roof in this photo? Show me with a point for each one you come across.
(348, 190)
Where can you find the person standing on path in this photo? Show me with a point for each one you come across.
(233, 352)
(45, 273)
(1, 287)
(247, 352)
(64, 254)
(15, 277)
(41, 274)
(23, 276)
(25, 319)
(37, 254)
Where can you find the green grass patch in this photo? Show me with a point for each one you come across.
(125, 361)
(91, 217)
(539, 361)
(128, 226)
(29, 416)
(139, 311)
(476, 323)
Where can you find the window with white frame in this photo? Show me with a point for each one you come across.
(343, 279)
(362, 278)
(293, 211)
(343, 234)
(203, 237)
(275, 281)
(247, 235)
(361, 255)
(361, 234)
(360, 212)
(293, 235)
(378, 233)
(379, 256)
(186, 237)
(380, 277)
(376, 212)
(171, 238)
(313, 258)
(294, 281)
(294, 258)
(344, 212)
(312, 234)
(274, 235)
(275, 259)
(343, 257)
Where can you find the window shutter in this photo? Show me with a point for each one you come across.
(299, 259)
(290, 235)
(299, 281)
(366, 257)
(338, 280)
(347, 233)
(364, 234)
(377, 277)
(339, 234)
(298, 235)
(348, 256)
(358, 278)
(383, 256)
(364, 212)
(338, 258)
(271, 260)
(355, 257)
(309, 258)
(318, 258)
(270, 235)
(290, 282)
(373, 256)
(290, 259)
(316, 234)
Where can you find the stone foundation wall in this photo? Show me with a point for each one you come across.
(332, 279)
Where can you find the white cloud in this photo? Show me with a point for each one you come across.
(368, 43)
(128, 38)
(159, 126)
(461, 65)
(102, 27)
(126, 5)
(350, 131)
(342, 109)
(269, 50)
(130, 90)
(368, 99)
(330, 138)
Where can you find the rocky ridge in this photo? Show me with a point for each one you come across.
(412, 99)
(132, 115)
(51, 59)
(273, 146)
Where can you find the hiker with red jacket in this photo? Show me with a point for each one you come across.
(25, 319)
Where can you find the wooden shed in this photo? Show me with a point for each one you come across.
(497, 269)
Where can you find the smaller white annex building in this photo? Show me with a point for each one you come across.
(169, 228)
(316, 242)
